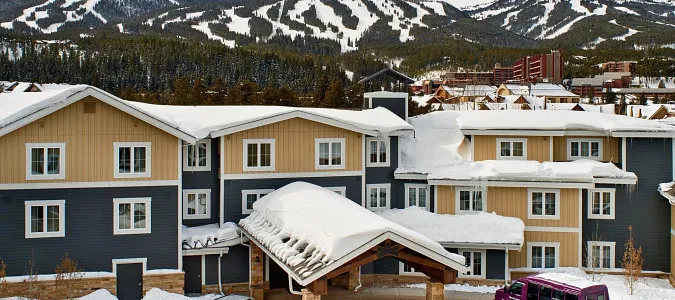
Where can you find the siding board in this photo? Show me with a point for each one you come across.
(610, 148)
(512, 202)
(485, 147)
(569, 248)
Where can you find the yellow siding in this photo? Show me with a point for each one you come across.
(89, 142)
(569, 248)
(294, 146)
(672, 216)
(610, 148)
(485, 147)
(512, 202)
(445, 199)
(672, 254)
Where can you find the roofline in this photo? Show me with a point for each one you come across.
(102, 96)
(410, 176)
(356, 252)
(562, 132)
(487, 246)
(499, 183)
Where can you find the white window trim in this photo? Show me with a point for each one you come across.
(511, 140)
(62, 219)
(473, 190)
(273, 155)
(401, 271)
(148, 160)
(186, 216)
(483, 266)
(408, 186)
(343, 159)
(379, 185)
(126, 261)
(612, 209)
(387, 142)
(148, 215)
(569, 149)
(544, 217)
(556, 245)
(244, 193)
(589, 253)
(62, 161)
(208, 157)
(341, 189)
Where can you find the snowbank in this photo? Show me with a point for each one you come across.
(99, 295)
(208, 235)
(157, 294)
(47, 277)
(308, 228)
(479, 228)
(465, 287)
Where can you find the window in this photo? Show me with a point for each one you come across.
(248, 197)
(45, 161)
(601, 255)
(259, 155)
(543, 204)
(132, 160)
(378, 152)
(601, 204)
(378, 196)
(584, 148)
(542, 255)
(196, 204)
(532, 291)
(45, 219)
(131, 215)
(468, 200)
(475, 260)
(511, 148)
(417, 195)
(330, 153)
(404, 269)
(340, 190)
(197, 157)
(516, 288)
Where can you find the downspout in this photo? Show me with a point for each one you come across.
(241, 241)
(220, 277)
(507, 273)
(290, 287)
(356, 289)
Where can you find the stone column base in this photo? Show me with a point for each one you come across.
(435, 291)
(308, 295)
(353, 279)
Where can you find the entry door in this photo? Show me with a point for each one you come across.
(192, 266)
(130, 281)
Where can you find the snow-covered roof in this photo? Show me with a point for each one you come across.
(567, 279)
(588, 81)
(309, 231)
(479, 90)
(602, 108)
(559, 121)
(422, 100)
(486, 228)
(540, 89)
(667, 190)
(210, 235)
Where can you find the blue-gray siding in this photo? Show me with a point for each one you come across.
(234, 266)
(205, 180)
(232, 190)
(395, 105)
(495, 264)
(89, 230)
(640, 205)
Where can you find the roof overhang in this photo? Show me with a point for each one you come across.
(481, 246)
(410, 176)
(356, 252)
(536, 132)
(523, 183)
(644, 134)
(102, 96)
(206, 251)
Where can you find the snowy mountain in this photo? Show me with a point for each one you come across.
(354, 23)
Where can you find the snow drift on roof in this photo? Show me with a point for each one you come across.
(308, 227)
(667, 190)
(208, 235)
(479, 228)
(18, 105)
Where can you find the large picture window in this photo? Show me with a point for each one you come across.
(45, 161)
(132, 160)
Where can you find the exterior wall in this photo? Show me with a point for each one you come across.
(232, 190)
(89, 142)
(49, 289)
(89, 230)
(569, 248)
(495, 266)
(610, 148)
(233, 266)
(294, 146)
(206, 180)
(396, 105)
(512, 202)
(445, 200)
(485, 147)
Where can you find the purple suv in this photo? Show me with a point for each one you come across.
(553, 286)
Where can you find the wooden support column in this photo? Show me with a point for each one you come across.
(257, 273)
(353, 279)
(308, 295)
(435, 291)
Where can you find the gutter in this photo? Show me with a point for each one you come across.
(487, 246)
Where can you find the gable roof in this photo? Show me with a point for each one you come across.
(391, 73)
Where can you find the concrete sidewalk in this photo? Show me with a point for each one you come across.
(379, 293)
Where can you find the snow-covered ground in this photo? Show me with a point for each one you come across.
(153, 294)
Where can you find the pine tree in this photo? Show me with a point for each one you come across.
(181, 91)
(198, 93)
(335, 95)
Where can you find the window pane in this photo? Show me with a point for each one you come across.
(36, 219)
(422, 197)
(202, 155)
(383, 197)
(545, 293)
(383, 151)
(537, 204)
(412, 196)
(53, 157)
(595, 149)
(558, 295)
(478, 201)
(373, 151)
(250, 199)
(336, 154)
(252, 155)
(606, 257)
(585, 150)
(596, 203)
(606, 203)
(532, 291)
(550, 204)
(265, 155)
(550, 257)
(37, 161)
(536, 257)
(191, 161)
(124, 160)
(52, 218)
(124, 216)
(467, 259)
(574, 148)
(517, 148)
(323, 154)
(139, 215)
(139, 159)
(595, 256)
(373, 197)
(477, 264)
(202, 204)
(505, 148)
(465, 200)
(192, 204)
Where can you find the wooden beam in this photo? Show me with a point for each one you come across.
(319, 286)
(422, 260)
(364, 258)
